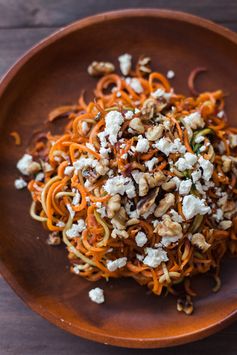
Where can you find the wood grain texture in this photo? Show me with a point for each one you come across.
(21, 13)
(22, 24)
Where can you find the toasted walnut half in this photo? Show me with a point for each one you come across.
(148, 110)
(100, 68)
(147, 202)
(164, 204)
(136, 125)
(54, 239)
(119, 220)
(154, 133)
(168, 228)
(185, 305)
(199, 240)
(114, 205)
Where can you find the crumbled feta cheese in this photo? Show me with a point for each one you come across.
(185, 187)
(69, 170)
(76, 229)
(167, 240)
(193, 206)
(129, 115)
(141, 239)
(76, 198)
(155, 257)
(119, 185)
(27, 166)
(101, 209)
(218, 215)
(39, 176)
(220, 114)
(113, 265)
(83, 162)
(202, 148)
(125, 62)
(135, 85)
(136, 174)
(170, 74)
(167, 147)
(160, 93)
(85, 127)
(194, 120)
(175, 216)
(76, 269)
(196, 175)
(199, 139)
(207, 167)
(150, 163)
(186, 162)
(113, 122)
(124, 156)
(142, 145)
(20, 183)
(139, 257)
(60, 224)
(47, 167)
(97, 295)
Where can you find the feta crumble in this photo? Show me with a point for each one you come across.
(119, 185)
(166, 146)
(185, 187)
(125, 61)
(76, 229)
(142, 145)
(186, 162)
(135, 85)
(194, 120)
(170, 74)
(27, 166)
(69, 170)
(193, 206)
(129, 115)
(113, 265)
(160, 93)
(207, 167)
(83, 162)
(155, 257)
(141, 239)
(113, 122)
(151, 163)
(20, 184)
(97, 295)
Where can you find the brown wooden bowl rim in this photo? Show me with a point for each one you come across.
(6, 80)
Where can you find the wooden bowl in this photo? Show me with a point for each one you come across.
(54, 73)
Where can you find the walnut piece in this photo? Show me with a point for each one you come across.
(225, 224)
(148, 110)
(164, 204)
(226, 163)
(199, 241)
(136, 125)
(54, 239)
(168, 228)
(100, 68)
(154, 133)
(114, 205)
(149, 181)
(119, 220)
(168, 186)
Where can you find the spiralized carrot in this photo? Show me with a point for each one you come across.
(110, 231)
(16, 137)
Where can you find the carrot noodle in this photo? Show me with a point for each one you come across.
(99, 224)
(16, 137)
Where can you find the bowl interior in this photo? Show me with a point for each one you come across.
(53, 76)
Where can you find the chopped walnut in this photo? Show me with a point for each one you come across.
(119, 220)
(233, 140)
(154, 133)
(143, 65)
(114, 205)
(168, 186)
(54, 239)
(143, 186)
(155, 179)
(121, 233)
(147, 201)
(199, 240)
(132, 221)
(148, 110)
(100, 68)
(168, 228)
(137, 125)
(164, 204)
(226, 163)
(225, 224)
(185, 305)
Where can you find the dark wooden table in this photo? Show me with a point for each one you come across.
(22, 24)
